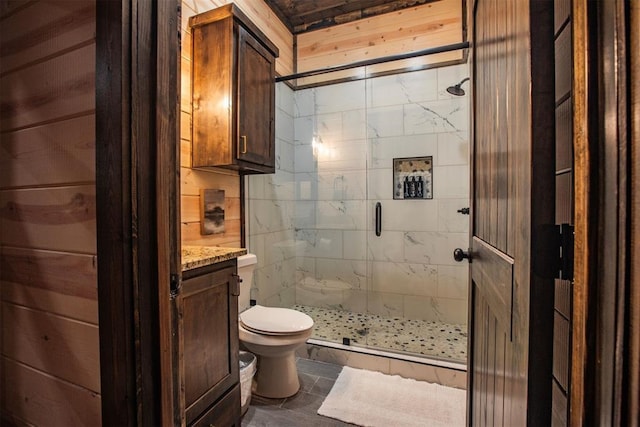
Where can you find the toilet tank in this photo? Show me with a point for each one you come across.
(246, 265)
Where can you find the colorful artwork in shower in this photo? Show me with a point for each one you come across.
(211, 211)
(413, 178)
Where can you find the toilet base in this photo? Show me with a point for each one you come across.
(277, 377)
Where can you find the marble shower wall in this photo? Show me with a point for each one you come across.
(271, 215)
(311, 223)
(341, 131)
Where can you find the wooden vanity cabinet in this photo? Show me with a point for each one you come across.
(208, 327)
(233, 92)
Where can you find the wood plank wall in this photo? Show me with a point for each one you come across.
(49, 363)
(426, 26)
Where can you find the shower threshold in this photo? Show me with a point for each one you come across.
(420, 341)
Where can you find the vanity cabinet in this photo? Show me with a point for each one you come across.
(233, 92)
(208, 327)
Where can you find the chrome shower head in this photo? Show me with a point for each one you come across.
(457, 89)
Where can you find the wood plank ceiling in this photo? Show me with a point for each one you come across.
(307, 15)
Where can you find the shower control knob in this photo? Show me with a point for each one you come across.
(459, 255)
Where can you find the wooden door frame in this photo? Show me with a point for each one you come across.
(137, 143)
(633, 384)
(606, 313)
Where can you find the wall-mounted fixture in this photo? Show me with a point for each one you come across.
(211, 211)
(457, 89)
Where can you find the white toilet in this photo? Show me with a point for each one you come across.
(273, 334)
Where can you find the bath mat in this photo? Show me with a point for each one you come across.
(373, 399)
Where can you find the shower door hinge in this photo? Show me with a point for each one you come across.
(565, 251)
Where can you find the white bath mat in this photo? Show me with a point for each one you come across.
(373, 399)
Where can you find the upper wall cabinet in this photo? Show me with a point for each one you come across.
(233, 92)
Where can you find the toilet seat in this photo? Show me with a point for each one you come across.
(275, 320)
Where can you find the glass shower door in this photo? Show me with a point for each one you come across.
(331, 213)
(418, 172)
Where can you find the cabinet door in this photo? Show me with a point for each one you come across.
(212, 88)
(223, 413)
(256, 102)
(209, 325)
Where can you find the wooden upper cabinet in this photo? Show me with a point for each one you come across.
(233, 81)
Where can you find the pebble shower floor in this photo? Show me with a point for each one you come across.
(397, 334)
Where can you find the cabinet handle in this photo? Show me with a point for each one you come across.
(243, 140)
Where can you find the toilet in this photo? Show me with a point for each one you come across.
(273, 334)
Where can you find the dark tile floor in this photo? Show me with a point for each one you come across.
(316, 380)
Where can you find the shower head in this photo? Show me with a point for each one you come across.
(457, 89)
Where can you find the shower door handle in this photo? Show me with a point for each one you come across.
(378, 219)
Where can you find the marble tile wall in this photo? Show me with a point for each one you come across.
(271, 215)
(342, 130)
(311, 224)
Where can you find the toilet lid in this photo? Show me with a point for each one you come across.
(275, 320)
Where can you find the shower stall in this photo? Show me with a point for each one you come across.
(370, 198)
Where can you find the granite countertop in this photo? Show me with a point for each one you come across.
(201, 256)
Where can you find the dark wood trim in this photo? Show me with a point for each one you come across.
(604, 382)
(607, 213)
(137, 215)
(301, 17)
(114, 208)
(145, 246)
(584, 193)
(541, 291)
(632, 386)
(616, 361)
(168, 206)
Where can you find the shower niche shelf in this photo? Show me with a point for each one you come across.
(413, 178)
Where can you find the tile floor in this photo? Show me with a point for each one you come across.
(316, 380)
(416, 337)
